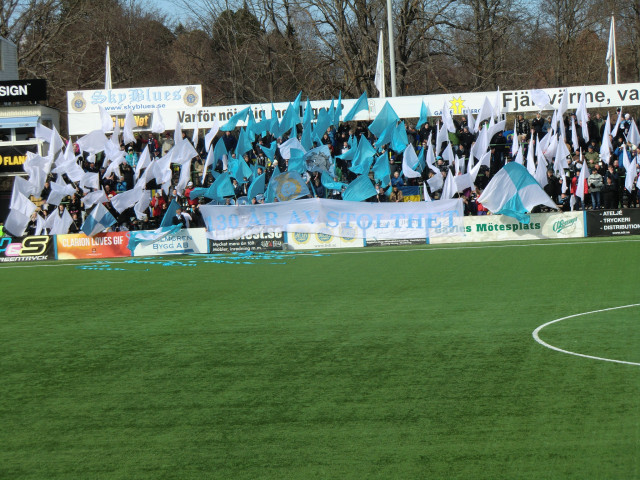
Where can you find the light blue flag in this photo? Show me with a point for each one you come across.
(289, 121)
(97, 221)
(219, 151)
(308, 114)
(276, 171)
(220, 188)
(381, 170)
(240, 170)
(296, 162)
(253, 128)
(264, 125)
(256, 187)
(270, 151)
(353, 141)
(338, 114)
(361, 104)
(349, 154)
(306, 140)
(233, 121)
(399, 141)
(244, 143)
(424, 116)
(330, 183)
(323, 122)
(167, 220)
(288, 186)
(386, 117)
(197, 192)
(275, 123)
(363, 158)
(359, 190)
(386, 137)
(513, 192)
(332, 110)
(296, 107)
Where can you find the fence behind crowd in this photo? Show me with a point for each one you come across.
(488, 228)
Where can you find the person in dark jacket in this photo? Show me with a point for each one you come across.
(609, 193)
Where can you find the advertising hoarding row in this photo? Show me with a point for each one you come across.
(488, 228)
(184, 104)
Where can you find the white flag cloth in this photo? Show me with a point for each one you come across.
(632, 171)
(90, 180)
(519, 158)
(496, 105)
(441, 137)
(285, 147)
(471, 123)
(605, 147)
(16, 223)
(447, 154)
(143, 162)
(177, 133)
(513, 192)
(541, 170)
(127, 131)
(634, 135)
(425, 192)
(485, 160)
(409, 161)
(564, 105)
(194, 138)
(124, 200)
(185, 176)
(515, 145)
(379, 78)
(157, 125)
(463, 182)
(540, 98)
(92, 142)
(450, 188)
(211, 134)
(208, 162)
(59, 190)
(495, 128)
(143, 204)
(90, 199)
(485, 112)
(447, 120)
(106, 122)
(574, 135)
(581, 114)
(40, 225)
(610, 58)
(560, 162)
(584, 174)
(59, 224)
(614, 130)
(531, 164)
(436, 182)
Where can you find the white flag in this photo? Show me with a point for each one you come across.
(107, 70)
(379, 79)
(157, 125)
(129, 125)
(611, 52)
(584, 173)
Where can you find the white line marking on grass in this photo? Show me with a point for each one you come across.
(537, 338)
(426, 248)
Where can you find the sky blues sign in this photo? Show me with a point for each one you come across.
(337, 217)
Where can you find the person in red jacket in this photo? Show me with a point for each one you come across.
(158, 205)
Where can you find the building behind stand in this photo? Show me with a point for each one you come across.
(20, 111)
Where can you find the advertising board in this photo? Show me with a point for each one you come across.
(320, 241)
(102, 245)
(607, 223)
(27, 249)
(492, 228)
(188, 240)
(259, 242)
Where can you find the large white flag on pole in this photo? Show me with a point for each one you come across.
(611, 60)
(379, 78)
(107, 70)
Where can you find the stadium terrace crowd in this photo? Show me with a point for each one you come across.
(604, 186)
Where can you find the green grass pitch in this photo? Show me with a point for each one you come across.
(379, 363)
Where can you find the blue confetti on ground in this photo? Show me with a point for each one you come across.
(233, 258)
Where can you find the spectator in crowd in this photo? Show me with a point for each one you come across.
(595, 187)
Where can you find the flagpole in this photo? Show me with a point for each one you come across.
(615, 50)
(107, 70)
(392, 53)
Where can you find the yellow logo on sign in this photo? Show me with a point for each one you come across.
(457, 105)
